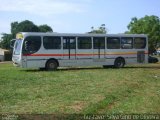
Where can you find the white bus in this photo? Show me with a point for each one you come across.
(52, 50)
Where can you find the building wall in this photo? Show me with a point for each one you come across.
(1, 52)
(5, 55)
(1, 58)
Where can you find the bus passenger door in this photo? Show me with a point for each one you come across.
(69, 48)
(141, 56)
(98, 47)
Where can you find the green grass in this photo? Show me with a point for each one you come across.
(133, 89)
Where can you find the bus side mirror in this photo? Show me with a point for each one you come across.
(12, 43)
(27, 45)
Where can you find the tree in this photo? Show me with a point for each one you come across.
(5, 42)
(45, 28)
(24, 26)
(149, 25)
(100, 30)
(14, 28)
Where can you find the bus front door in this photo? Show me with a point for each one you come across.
(69, 48)
(98, 48)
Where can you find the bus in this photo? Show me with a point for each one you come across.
(53, 50)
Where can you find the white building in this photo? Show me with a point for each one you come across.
(4, 55)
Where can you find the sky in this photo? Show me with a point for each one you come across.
(76, 16)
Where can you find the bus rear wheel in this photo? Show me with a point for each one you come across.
(51, 65)
(119, 63)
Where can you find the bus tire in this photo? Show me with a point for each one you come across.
(119, 62)
(51, 65)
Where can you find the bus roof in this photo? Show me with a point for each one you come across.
(80, 34)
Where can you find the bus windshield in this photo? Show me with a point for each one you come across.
(17, 48)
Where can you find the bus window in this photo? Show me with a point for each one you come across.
(31, 44)
(139, 43)
(51, 42)
(84, 43)
(126, 43)
(69, 43)
(17, 50)
(99, 42)
(113, 43)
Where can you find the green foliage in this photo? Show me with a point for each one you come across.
(24, 26)
(149, 25)
(45, 28)
(100, 30)
(14, 28)
(5, 43)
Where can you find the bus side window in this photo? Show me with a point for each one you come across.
(84, 43)
(126, 43)
(113, 43)
(52, 42)
(31, 44)
(69, 43)
(139, 43)
(98, 42)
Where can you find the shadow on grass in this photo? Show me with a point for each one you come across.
(93, 68)
(62, 69)
(145, 67)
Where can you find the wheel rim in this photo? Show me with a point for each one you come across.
(51, 65)
(120, 63)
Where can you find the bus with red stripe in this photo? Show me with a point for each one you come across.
(53, 50)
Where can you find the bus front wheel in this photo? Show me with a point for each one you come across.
(119, 63)
(51, 65)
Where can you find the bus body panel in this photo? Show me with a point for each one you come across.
(79, 57)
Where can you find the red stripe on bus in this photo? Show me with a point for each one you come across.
(57, 54)
(42, 54)
(79, 54)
